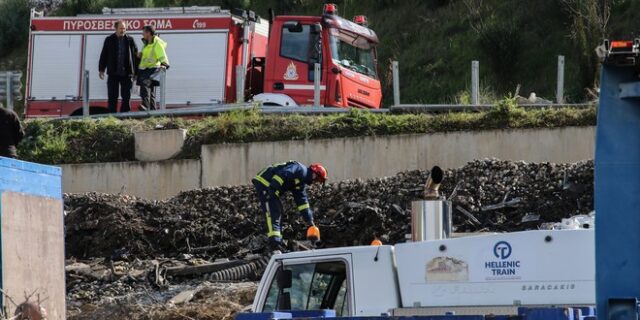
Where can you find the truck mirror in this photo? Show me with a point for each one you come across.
(316, 28)
(284, 279)
(293, 26)
(284, 301)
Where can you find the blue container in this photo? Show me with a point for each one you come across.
(263, 316)
(547, 313)
(313, 313)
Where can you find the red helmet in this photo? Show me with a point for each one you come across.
(320, 171)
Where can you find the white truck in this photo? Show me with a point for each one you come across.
(474, 275)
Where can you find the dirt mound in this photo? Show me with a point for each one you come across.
(489, 195)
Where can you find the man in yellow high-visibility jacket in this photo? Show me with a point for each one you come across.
(153, 58)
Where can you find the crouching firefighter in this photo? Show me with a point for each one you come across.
(272, 182)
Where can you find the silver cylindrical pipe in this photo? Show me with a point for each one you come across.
(9, 91)
(429, 220)
(85, 94)
(245, 42)
(240, 75)
(316, 85)
(475, 82)
(432, 186)
(241, 71)
(163, 89)
(396, 82)
(560, 85)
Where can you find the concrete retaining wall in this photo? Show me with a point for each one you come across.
(345, 158)
(367, 157)
(151, 180)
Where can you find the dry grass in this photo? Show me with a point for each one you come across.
(211, 303)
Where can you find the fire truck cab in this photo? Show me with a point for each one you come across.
(345, 50)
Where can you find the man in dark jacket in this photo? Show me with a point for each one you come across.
(119, 58)
(272, 182)
(11, 133)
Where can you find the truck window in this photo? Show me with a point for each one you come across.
(314, 286)
(295, 45)
(353, 52)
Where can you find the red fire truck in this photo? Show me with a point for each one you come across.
(206, 46)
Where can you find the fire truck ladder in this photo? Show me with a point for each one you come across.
(164, 11)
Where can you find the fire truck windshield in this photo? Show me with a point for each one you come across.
(353, 52)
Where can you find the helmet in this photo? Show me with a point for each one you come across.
(320, 171)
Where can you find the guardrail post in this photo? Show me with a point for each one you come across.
(85, 94)
(560, 86)
(396, 82)
(475, 82)
(9, 91)
(316, 85)
(163, 89)
(240, 84)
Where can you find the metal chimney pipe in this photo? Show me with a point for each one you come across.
(436, 175)
(431, 218)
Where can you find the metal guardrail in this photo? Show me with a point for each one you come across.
(218, 109)
(213, 110)
(435, 108)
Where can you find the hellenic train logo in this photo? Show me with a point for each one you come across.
(503, 268)
(502, 250)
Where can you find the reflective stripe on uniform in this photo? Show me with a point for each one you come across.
(274, 234)
(278, 193)
(302, 207)
(270, 231)
(297, 181)
(277, 178)
(262, 180)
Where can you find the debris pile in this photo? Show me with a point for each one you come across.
(196, 300)
(225, 222)
(138, 259)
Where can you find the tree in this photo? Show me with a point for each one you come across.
(14, 24)
(590, 19)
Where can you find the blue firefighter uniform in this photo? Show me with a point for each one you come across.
(272, 182)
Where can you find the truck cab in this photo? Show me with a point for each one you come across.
(345, 50)
(325, 279)
(475, 275)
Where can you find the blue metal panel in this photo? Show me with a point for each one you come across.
(547, 313)
(629, 90)
(30, 178)
(313, 313)
(617, 190)
(263, 316)
(415, 318)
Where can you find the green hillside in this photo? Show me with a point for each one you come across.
(516, 41)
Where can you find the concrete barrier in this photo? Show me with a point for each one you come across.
(31, 237)
(367, 157)
(151, 180)
(345, 158)
(158, 145)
